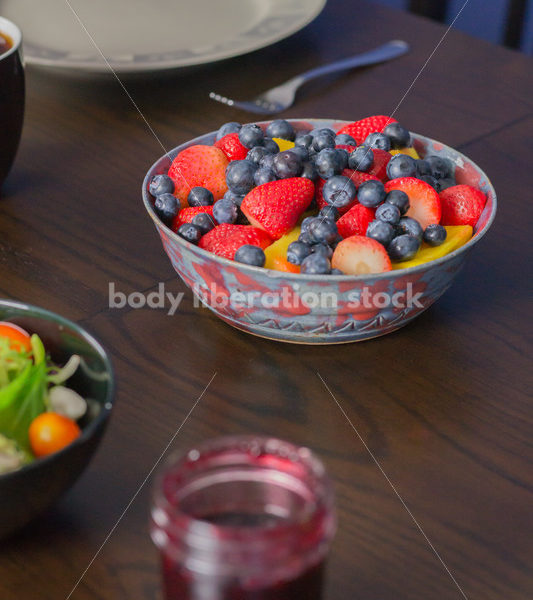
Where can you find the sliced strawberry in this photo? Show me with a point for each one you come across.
(186, 215)
(348, 147)
(276, 206)
(356, 176)
(232, 147)
(359, 255)
(424, 200)
(361, 129)
(355, 221)
(462, 205)
(381, 160)
(199, 165)
(224, 240)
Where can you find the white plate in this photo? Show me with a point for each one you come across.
(146, 35)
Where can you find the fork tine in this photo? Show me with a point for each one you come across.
(258, 106)
(222, 99)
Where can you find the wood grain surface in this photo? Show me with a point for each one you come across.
(444, 405)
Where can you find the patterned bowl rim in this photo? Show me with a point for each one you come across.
(223, 262)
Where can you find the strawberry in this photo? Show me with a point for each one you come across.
(199, 165)
(359, 255)
(224, 240)
(355, 221)
(232, 147)
(361, 129)
(381, 160)
(357, 177)
(276, 206)
(461, 205)
(424, 200)
(186, 215)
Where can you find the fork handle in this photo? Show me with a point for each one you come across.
(385, 52)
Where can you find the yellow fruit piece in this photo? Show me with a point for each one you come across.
(279, 249)
(456, 236)
(283, 144)
(409, 151)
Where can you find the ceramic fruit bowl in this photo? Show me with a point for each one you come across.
(319, 309)
(27, 492)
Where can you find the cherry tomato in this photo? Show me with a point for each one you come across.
(51, 432)
(19, 340)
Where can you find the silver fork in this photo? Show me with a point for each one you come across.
(281, 97)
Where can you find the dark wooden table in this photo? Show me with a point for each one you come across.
(443, 404)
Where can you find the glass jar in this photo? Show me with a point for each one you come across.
(243, 518)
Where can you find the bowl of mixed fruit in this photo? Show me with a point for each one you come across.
(318, 231)
(56, 394)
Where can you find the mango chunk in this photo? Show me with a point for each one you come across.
(409, 151)
(283, 144)
(456, 236)
(276, 253)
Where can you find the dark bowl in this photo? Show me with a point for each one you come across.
(26, 493)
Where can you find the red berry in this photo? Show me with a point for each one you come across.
(461, 205)
(360, 255)
(276, 206)
(381, 160)
(186, 215)
(355, 221)
(423, 199)
(224, 240)
(361, 129)
(232, 147)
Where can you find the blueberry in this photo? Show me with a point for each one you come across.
(329, 212)
(361, 159)
(240, 176)
(166, 207)
(190, 232)
(306, 223)
(303, 140)
(264, 175)
(322, 131)
(309, 171)
(398, 135)
(256, 154)
(441, 168)
(231, 127)
(410, 226)
(297, 251)
(315, 264)
(271, 145)
(434, 235)
(401, 165)
(323, 249)
(305, 237)
(251, 135)
(323, 231)
(422, 167)
(200, 196)
(302, 152)
(343, 156)
(339, 191)
(343, 139)
(430, 180)
(371, 193)
(399, 199)
(287, 164)
(328, 162)
(336, 272)
(250, 255)
(323, 140)
(161, 184)
(204, 221)
(281, 129)
(388, 213)
(225, 211)
(378, 140)
(403, 247)
(445, 183)
(236, 198)
(381, 232)
(267, 162)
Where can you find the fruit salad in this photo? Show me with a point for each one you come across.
(38, 415)
(356, 201)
